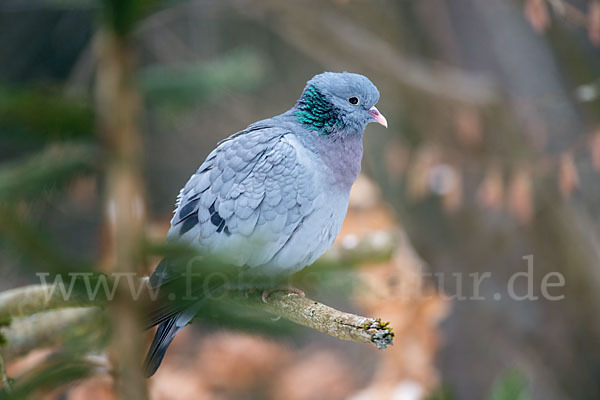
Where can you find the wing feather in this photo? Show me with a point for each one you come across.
(248, 197)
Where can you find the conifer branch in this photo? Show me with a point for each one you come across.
(31, 323)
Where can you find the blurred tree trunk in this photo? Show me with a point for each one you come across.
(537, 124)
(117, 104)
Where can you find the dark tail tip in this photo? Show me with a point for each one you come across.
(152, 362)
(162, 339)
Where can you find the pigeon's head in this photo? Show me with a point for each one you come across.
(339, 102)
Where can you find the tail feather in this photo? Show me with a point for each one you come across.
(162, 339)
(170, 317)
(165, 334)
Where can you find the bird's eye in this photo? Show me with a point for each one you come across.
(353, 100)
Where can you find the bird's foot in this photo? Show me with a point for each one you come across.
(287, 288)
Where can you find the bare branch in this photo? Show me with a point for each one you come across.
(320, 317)
(34, 324)
(47, 329)
(29, 300)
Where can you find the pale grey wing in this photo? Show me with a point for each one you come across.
(248, 198)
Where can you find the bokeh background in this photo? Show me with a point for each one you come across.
(492, 154)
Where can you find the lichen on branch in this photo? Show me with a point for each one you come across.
(325, 319)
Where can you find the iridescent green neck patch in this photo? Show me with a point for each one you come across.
(316, 112)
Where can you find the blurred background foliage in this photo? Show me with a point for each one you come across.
(493, 154)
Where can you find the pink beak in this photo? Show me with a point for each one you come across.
(377, 116)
